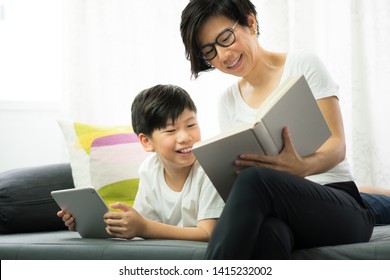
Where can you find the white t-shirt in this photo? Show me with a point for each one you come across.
(233, 110)
(197, 201)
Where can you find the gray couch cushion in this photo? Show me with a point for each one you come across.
(377, 249)
(26, 204)
(61, 245)
(68, 245)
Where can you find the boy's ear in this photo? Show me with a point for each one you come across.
(145, 142)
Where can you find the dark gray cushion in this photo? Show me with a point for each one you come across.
(26, 204)
(62, 245)
(68, 245)
(378, 248)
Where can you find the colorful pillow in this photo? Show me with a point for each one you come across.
(105, 157)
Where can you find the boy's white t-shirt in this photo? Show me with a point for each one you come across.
(197, 201)
(233, 110)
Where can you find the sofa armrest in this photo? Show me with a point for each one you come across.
(26, 204)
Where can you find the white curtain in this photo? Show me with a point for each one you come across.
(116, 48)
(113, 49)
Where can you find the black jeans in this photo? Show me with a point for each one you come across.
(269, 214)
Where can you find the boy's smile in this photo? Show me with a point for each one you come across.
(173, 143)
(185, 151)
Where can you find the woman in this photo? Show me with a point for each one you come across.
(283, 202)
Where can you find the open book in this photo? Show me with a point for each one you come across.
(291, 105)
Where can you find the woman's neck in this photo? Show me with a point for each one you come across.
(263, 79)
(268, 67)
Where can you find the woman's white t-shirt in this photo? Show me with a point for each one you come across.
(155, 200)
(233, 110)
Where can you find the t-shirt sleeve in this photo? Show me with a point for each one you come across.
(224, 117)
(210, 202)
(317, 75)
(145, 200)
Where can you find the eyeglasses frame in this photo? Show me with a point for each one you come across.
(212, 45)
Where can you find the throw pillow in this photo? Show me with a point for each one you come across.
(105, 157)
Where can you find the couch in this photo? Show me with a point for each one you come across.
(30, 229)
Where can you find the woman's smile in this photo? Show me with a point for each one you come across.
(235, 63)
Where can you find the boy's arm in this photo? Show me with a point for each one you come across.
(130, 224)
(201, 232)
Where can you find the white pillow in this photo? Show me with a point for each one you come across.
(105, 157)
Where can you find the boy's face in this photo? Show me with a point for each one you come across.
(173, 144)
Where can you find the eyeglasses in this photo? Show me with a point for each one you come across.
(225, 39)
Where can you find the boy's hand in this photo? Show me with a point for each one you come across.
(68, 219)
(126, 224)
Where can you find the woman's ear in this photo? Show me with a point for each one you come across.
(252, 23)
(145, 142)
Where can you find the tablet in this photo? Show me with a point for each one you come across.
(88, 209)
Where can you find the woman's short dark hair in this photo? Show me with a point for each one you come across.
(152, 108)
(197, 12)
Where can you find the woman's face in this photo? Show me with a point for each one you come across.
(237, 59)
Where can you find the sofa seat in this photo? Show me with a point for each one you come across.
(378, 248)
(30, 229)
(69, 245)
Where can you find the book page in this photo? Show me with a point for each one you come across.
(275, 96)
(298, 110)
(229, 132)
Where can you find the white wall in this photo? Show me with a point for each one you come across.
(31, 77)
(93, 58)
(30, 135)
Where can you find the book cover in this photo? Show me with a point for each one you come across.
(293, 105)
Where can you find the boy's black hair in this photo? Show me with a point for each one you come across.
(197, 12)
(152, 108)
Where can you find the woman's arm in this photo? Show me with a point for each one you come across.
(334, 149)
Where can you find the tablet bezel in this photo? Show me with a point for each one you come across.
(88, 209)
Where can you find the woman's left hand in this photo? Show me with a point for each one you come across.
(288, 160)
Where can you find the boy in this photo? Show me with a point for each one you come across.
(175, 200)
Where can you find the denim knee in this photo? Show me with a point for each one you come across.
(379, 206)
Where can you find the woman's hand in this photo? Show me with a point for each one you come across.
(288, 160)
(125, 224)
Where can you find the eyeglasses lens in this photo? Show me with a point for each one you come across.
(225, 39)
